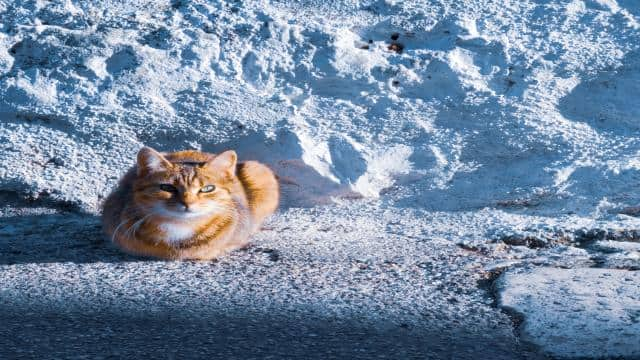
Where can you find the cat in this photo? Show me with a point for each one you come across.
(189, 204)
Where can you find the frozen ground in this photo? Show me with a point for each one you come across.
(423, 147)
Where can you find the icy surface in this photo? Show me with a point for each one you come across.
(577, 312)
(503, 130)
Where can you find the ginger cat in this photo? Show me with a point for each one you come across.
(189, 204)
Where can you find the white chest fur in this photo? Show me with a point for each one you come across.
(174, 232)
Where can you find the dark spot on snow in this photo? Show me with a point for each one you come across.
(352, 196)
(273, 254)
(370, 41)
(395, 36)
(396, 47)
(395, 83)
(469, 247)
(532, 242)
(362, 265)
(14, 49)
(599, 261)
(56, 161)
(592, 235)
(158, 39)
(364, 47)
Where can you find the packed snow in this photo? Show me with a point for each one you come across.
(507, 128)
(578, 312)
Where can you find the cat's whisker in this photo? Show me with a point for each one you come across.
(126, 220)
(115, 232)
(134, 228)
(130, 215)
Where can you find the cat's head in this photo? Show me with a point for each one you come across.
(184, 185)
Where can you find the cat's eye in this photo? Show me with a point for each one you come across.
(168, 188)
(207, 189)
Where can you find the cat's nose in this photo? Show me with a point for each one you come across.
(183, 206)
(186, 201)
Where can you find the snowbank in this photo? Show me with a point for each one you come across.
(447, 106)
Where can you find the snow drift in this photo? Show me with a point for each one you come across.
(529, 107)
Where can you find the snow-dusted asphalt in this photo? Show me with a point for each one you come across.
(295, 293)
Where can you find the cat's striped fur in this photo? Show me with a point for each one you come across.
(164, 206)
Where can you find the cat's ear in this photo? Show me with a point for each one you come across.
(150, 161)
(225, 161)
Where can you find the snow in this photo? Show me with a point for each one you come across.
(577, 312)
(528, 99)
(509, 127)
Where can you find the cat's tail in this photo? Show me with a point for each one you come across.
(261, 187)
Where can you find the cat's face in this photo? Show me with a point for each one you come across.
(181, 189)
